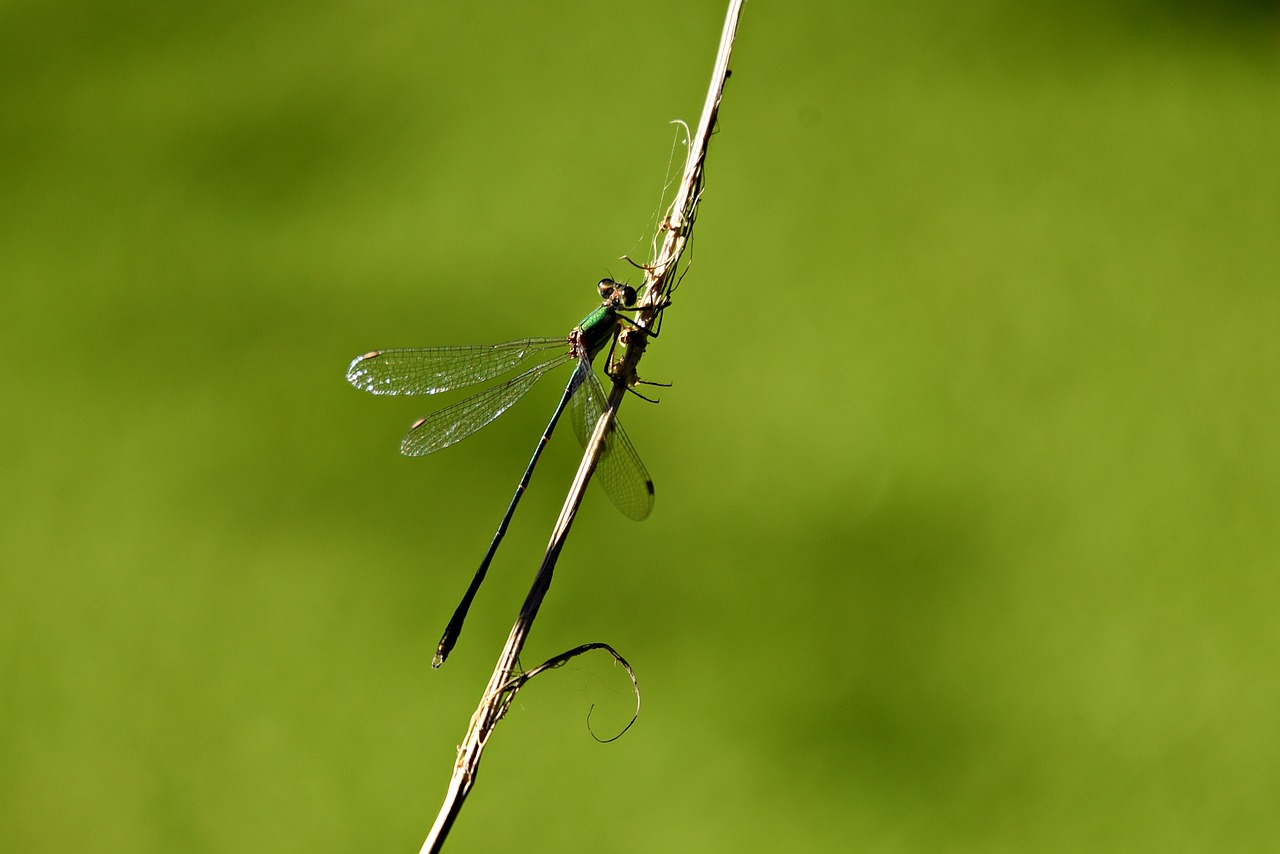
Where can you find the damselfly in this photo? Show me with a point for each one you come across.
(431, 370)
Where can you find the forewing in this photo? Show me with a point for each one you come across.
(619, 470)
(454, 423)
(429, 370)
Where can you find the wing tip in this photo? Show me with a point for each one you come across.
(358, 375)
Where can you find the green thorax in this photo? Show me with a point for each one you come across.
(595, 330)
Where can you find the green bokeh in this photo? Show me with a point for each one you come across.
(966, 535)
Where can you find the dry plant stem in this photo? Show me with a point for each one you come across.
(660, 275)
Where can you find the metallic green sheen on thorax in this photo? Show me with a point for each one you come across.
(597, 328)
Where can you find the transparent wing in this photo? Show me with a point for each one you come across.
(620, 470)
(428, 370)
(454, 423)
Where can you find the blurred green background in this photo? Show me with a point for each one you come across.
(966, 535)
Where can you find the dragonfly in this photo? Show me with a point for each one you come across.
(431, 370)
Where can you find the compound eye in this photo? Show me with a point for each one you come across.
(606, 287)
(628, 296)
